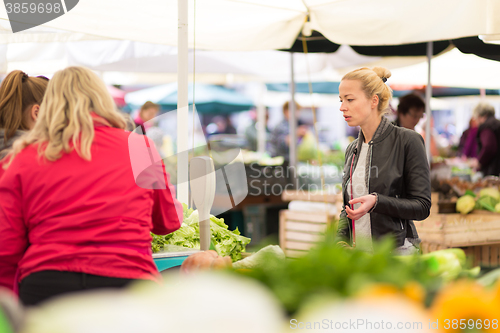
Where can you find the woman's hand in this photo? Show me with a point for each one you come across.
(367, 203)
(474, 164)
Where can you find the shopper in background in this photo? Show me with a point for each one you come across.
(20, 99)
(386, 181)
(411, 109)
(488, 139)
(467, 148)
(220, 125)
(251, 131)
(148, 111)
(280, 136)
(80, 196)
(230, 129)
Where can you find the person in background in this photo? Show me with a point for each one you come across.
(20, 99)
(148, 111)
(386, 183)
(411, 109)
(279, 143)
(488, 139)
(467, 148)
(80, 196)
(230, 129)
(251, 130)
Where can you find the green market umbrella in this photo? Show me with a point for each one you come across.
(208, 98)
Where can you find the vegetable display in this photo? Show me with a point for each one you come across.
(307, 151)
(487, 199)
(329, 269)
(226, 242)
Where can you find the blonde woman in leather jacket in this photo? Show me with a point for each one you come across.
(388, 167)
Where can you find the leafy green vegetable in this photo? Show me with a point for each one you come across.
(307, 149)
(489, 279)
(329, 269)
(262, 258)
(469, 192)
(490, 192)
(225, 241)
(465, 204)
(449, 263)
(186, 211)
(488, 199)
(487, 203)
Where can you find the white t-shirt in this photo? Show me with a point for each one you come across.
(362, 225)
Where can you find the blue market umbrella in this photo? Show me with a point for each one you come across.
(208, 98)
(333, 88)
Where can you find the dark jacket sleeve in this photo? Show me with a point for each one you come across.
(416, 204)
(489, 146)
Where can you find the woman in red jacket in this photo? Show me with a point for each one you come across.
(80, 196)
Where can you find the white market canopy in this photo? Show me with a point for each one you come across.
(452, 69)
(82, 37)
(242, 25)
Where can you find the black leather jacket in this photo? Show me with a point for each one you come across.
(398, 172)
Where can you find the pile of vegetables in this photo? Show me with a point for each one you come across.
(226, 242)
(340, 273)
(487, 199)
(307, 151)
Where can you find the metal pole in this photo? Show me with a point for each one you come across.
(292, 121)
(482, 93)
(428, 95)
(261, 121)
(182, 103)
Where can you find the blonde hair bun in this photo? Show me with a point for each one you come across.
(382, 72)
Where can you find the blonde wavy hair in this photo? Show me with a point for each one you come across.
(373, 83)
(65, 122)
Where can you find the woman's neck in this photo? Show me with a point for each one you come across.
(370, 127)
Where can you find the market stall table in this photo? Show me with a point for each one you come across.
(172, 256)
(477, 233)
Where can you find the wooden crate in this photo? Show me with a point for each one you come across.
(299, 231)
(316, 196)
(480, 255)
(457, 230)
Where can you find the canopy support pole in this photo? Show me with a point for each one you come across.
(428, 95)
(261, 121)
(292, 121)
(182, 103)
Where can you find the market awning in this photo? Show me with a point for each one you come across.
(263, 24)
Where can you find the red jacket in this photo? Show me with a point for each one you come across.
(86, 216)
